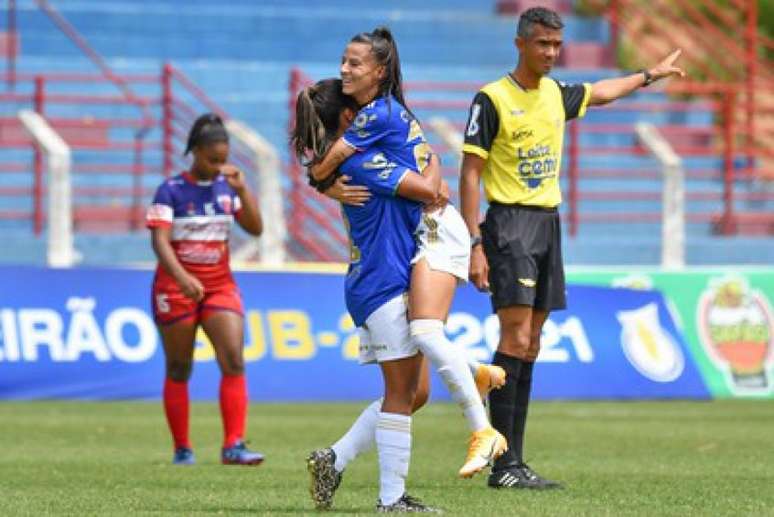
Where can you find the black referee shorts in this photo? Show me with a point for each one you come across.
(523, 245)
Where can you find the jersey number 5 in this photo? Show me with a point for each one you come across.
(162, 302)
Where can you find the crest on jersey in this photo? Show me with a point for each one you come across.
(225, 203)
(191, 208)
(362, 119)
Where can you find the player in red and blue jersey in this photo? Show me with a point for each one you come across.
(190, 221)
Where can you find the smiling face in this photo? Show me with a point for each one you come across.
(361, 75)
(208, 159)
(539, 51)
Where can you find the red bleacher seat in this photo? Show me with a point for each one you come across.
(584, 54)
(80, 132)
(12, 133)
(5, 43)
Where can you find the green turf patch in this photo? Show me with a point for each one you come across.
(623, 458)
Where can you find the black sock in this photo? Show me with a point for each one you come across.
(523, 390)
(502, 406)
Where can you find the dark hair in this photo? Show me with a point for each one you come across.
(207, 129)
(317, 119)
(385, 52)
(537, 15)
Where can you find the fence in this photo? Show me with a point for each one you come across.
(122, 145)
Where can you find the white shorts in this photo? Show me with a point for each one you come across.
(443, 239)
(385, 335)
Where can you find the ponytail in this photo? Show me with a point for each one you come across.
(317, 119)
(384, 48)
(309, 132)
(206, 129)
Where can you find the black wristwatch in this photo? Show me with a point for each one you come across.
(648, 77)
(475, 241)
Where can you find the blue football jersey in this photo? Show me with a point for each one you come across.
(381, 234)
(385, 124)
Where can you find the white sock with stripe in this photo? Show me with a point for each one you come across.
(359, 438)
(393, 442)
(453, 368)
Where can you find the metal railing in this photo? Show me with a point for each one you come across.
(137, 123)
(722, 43)
(61, 252)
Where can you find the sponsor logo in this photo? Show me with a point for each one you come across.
(649, 348)
(735, 325)
(200, 253)
(380, 163)
(521, 134)
(527, 282)
(225, 203)
(429, 229)
(536, 164)
(634, 281)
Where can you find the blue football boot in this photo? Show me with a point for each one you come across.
(183, 456)
(239, 454)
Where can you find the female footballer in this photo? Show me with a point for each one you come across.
(190, 220)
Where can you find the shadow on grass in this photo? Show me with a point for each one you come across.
(282, 509)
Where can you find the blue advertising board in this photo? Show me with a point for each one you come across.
(89, 334)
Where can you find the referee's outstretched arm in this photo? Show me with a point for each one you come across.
(608, 90)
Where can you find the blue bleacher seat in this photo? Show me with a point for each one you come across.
(241, 53)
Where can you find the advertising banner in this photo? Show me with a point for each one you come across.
(88, 334)
(725, 315)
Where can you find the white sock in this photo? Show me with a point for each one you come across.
(393, 441)
(359, 438)
(453, 369)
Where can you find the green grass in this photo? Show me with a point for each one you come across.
(629, 458)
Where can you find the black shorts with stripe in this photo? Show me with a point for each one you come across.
(523, 245)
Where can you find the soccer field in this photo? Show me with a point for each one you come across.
(621, 458)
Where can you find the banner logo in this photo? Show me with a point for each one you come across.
(735, 325)
(648, 347)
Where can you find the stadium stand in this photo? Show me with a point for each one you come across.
(243, 55)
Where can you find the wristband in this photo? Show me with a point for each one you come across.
(648, 77)
(328, 182)
(475, 241)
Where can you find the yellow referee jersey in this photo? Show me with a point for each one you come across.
(519, 133)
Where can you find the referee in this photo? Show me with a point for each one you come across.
(513, 142)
